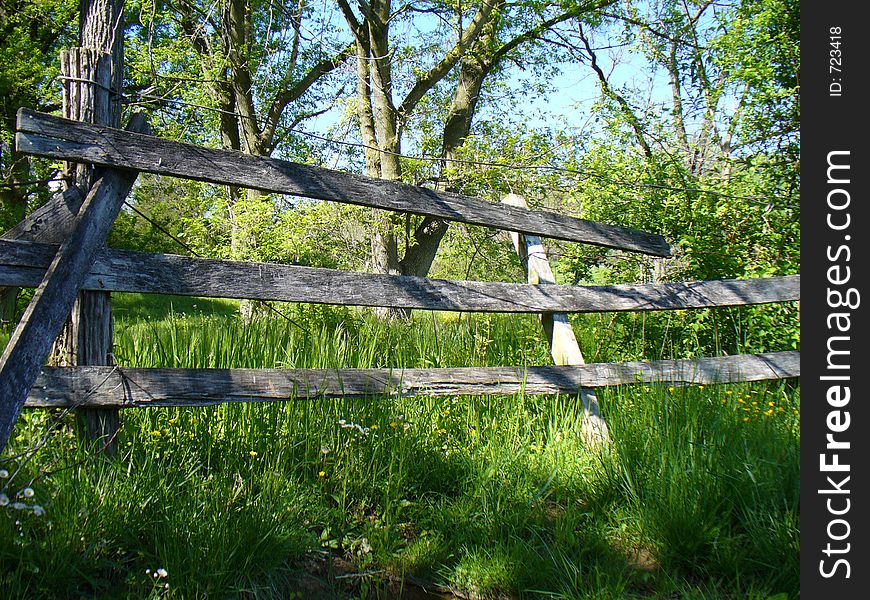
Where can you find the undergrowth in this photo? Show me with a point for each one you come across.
(695, 497)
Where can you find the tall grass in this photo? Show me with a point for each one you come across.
(696, 497)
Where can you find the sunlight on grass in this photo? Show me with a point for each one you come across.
(697, 494)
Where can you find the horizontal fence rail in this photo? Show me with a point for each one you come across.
(44, 135)
(111, 386)
(24, 263)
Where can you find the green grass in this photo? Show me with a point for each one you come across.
(696, 497)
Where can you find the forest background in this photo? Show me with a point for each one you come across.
(679, 117)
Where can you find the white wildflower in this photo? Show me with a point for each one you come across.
(4, 500)
(162, 573)
(4, 474)
(38, 510)
(19, 505)
(28, 492)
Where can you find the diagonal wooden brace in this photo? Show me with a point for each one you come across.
(563, 343)
(30, 344)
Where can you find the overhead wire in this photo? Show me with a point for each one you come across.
(766, 200)
(167, 233)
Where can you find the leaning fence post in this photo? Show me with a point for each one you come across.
(560, 335)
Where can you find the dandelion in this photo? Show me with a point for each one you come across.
(745, 419)
(768, 413)
(671, 389)
(729, 392)
(252, 453)
(394, 425)
(771, 403)
(28, 492)
(701, 388)
(322, 474)
(4, 474)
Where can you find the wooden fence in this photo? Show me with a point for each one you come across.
(82, 262)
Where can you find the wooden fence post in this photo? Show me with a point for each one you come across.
(560, 335)
(92, 74)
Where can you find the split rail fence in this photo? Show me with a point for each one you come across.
(82, 262)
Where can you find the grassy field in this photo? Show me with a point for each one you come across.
(696, 496)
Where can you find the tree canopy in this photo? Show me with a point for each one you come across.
(692, 129)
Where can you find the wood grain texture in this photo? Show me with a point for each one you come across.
(124, 271)
(49, 136)
(31, 342)
(122, 387)
(86, 338)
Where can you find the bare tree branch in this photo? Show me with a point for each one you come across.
(611, 93)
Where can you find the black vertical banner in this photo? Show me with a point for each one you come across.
(835, 227)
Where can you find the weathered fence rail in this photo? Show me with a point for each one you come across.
(121, 387)
(82, 263)
(24, 264)
(44, 135)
